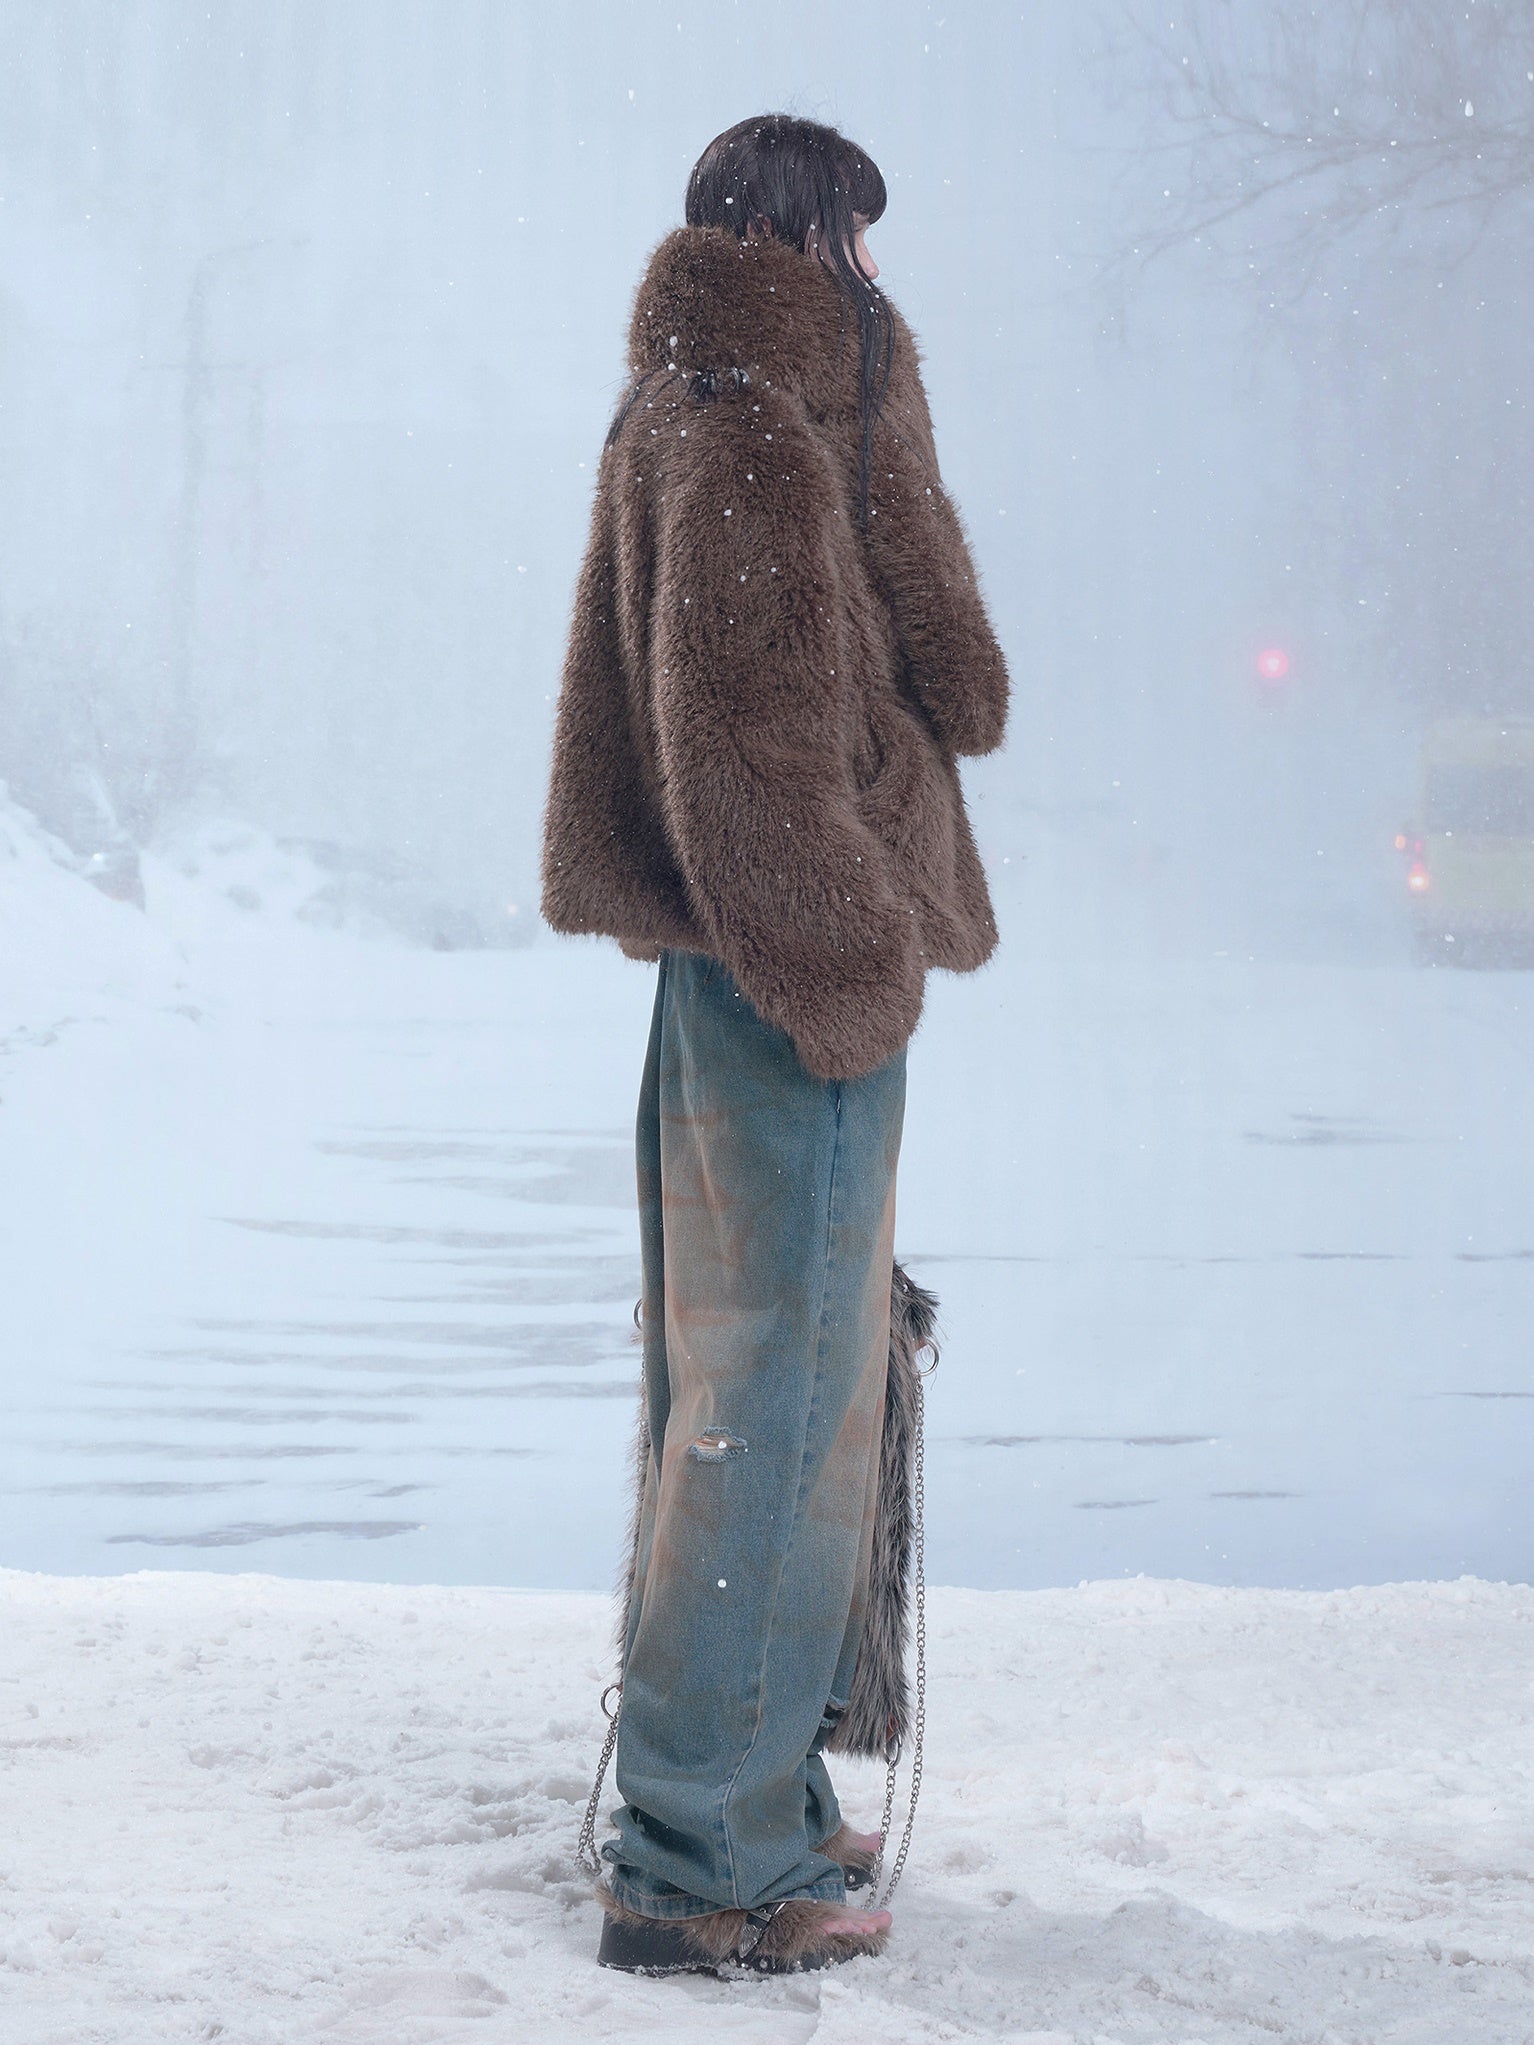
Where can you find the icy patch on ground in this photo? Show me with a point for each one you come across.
(269, 1811)
(306, 1238)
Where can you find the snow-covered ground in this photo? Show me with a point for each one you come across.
(268, 1811)
(318, 1249)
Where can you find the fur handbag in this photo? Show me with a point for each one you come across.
(878, 1714)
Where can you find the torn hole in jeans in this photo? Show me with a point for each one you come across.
(715, 1445)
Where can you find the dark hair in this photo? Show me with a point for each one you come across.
(789, 176)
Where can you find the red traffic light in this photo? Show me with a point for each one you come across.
(1273, 664)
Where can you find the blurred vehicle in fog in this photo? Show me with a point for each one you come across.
(1470, 854)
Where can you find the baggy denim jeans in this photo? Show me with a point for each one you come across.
(767, 1208)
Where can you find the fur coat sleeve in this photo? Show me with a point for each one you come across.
(756, 750)
(953, 665)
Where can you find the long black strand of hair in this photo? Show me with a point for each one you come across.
(796, 179)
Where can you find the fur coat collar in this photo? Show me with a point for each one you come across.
(711, 303)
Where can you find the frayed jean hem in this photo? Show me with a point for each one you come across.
(645, 1901)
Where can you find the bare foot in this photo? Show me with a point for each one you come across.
(861, 1842)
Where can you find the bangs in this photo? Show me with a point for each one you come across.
(865, 185)
(789, 172)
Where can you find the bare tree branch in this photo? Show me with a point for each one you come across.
(1280, 130)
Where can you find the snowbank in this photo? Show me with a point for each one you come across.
(68, 953)
(73, 954)
(265, 1811)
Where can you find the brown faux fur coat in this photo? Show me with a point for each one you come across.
(763, 704)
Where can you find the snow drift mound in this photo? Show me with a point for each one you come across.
(82, 936)
(67, 949)
(217, 877)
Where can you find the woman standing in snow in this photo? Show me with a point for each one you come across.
(777, 653)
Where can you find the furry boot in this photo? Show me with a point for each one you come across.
(780, 1938)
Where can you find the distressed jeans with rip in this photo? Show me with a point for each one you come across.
(767, 1205)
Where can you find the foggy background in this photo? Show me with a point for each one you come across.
(313, 320)
(311, 323)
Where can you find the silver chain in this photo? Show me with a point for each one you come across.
(586, 1845)
(919, 1720)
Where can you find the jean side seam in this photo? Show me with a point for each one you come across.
(648, 1113)
(820, 1340)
